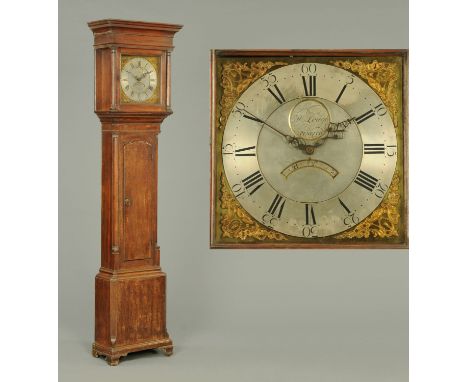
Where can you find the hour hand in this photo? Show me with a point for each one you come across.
(142, 76)
(336, 129)
(300, 144)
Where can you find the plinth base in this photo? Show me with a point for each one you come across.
(113, 354)
(130, 313)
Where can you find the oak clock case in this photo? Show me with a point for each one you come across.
(132, 99)
(308, 149)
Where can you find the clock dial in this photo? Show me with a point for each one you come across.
(139, 79)
(309, 150)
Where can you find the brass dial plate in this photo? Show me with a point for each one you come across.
(353, 187)
(140, 80)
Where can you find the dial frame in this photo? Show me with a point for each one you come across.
(161, 101)
(257, 59)
(155, 62)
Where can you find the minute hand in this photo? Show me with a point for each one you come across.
(249, 115)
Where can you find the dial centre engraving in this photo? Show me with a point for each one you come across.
(309, 120)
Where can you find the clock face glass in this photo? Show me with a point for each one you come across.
(139, 79)
(309, 150)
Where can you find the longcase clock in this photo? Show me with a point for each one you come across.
(132, 98)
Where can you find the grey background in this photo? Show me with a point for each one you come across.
(265, 315)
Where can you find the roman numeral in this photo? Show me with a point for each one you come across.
(344, 206)
(278, 202)
(242, 153)
(364, 116)
(252, 118)
(310, 85)
(374, 148)
(278, 96)
(341, 93)
(253, 182)
(365, 180)
(150, 87)
(310, 215)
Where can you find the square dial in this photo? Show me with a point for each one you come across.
(140, 79)
(308, 149)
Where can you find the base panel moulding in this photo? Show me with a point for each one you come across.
(113, 354)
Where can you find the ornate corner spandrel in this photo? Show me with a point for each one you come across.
(381, 76)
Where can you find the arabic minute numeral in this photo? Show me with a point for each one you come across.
(391, 150)
(228, 149)
(238, 190)
(380, 110)
(309, 231)
(380, 190)
(269, 80)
